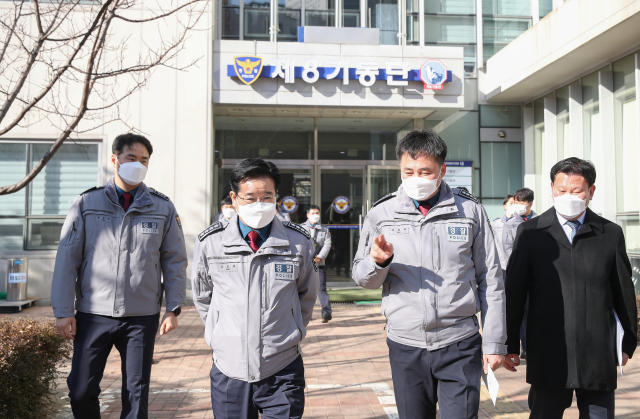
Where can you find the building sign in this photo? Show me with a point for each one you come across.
(289, 204)
(460, 174)
(247, 68)
(433, 73)
(341, 204)
(396, 73)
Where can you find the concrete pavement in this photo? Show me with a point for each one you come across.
(347, 372)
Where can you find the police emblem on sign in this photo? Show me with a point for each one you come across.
(149, 228)
(284, 271)
(433, 74)
(247, 68)
(458, 234)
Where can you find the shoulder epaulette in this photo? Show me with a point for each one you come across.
(298, 228)
(160, 194)
(384, 198)
(213, 228)
(463, 192)
(95, 188)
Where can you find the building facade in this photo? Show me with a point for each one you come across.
(325, 88)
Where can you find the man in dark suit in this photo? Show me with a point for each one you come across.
(573, 265)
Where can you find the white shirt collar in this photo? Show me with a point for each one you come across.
(563, 220)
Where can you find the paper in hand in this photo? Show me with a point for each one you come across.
(619, 336)
(491, 383)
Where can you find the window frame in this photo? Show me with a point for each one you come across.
(29, 142)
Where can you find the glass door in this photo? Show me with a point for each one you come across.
(381, 181)
(341, 209)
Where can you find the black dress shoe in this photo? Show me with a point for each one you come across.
(523, 355)
(326, 317)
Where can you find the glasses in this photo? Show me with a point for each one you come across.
(267, 199)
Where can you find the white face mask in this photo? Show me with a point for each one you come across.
(258, 214)
(419, 188)
(569, 206)
(132, 172)
(509, 211)
(314, 218)
(519, 209)
(228, 212)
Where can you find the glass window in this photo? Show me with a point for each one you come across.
(449, 29)
(506, 7)
(502, 169)
(11, 233)
(322, 13)
(493, 207)
(240, 137)
(501, 30)
(13, 168)
(626, 137)
(383, 14)
(461, 132)
(545, 7)
(230, 19)
(43, 204)
(350, 13)
(500, 116)
(631, 228)
(563, 123)
(71, 171)
(458, 7)
(591, 130)
(360, 139)
(288, 20)
(256, 19)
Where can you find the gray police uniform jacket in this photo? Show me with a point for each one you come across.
(444, 270)
(321, 236)
(509, 234)
(110, 262)
(497, 225)
(255, 306)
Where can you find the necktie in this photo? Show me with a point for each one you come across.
(253, 240)
(127, 201)
(424, 209)
(575, 226)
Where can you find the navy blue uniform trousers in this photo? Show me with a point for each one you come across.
(134, 337)
(550, 403)
(280, 396)
(323, 296)
(449, 376)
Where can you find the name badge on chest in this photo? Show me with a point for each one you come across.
(149, 228)
(227, 267)
(399, 230)
(284, 271)
(458, 234)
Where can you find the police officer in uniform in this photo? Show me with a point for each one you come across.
(432, 250)
(321, 237)
(255, 284)
(497, 226)
(115, 244)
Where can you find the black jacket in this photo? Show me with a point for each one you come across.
(573, 290)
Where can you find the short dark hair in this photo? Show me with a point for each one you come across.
(253, 169)
(422, 142)
(506, 199)
(128, 140)
(523, 195)
(312, 207)
(575, 166)
(226, 201)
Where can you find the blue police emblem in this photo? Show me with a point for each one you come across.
(289, 204)
(247, 68)
(341, 204)
(433, 73)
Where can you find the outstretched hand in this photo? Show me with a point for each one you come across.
(381, 250)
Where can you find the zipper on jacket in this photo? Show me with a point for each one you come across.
(265, 293)
(438, 263)
(73, 233)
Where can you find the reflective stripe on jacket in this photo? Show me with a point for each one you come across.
(444, 270)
